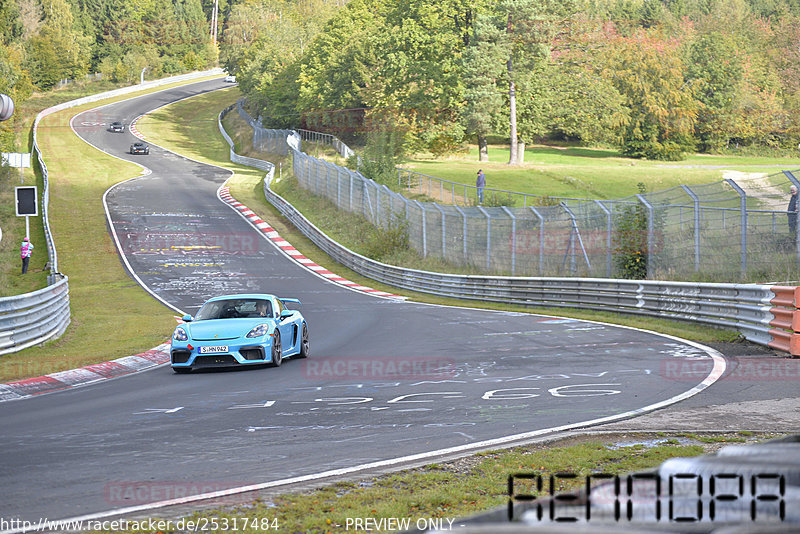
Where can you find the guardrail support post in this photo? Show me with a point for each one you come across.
(424, 231)
(743, 214)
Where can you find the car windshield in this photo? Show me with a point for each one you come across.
(235, 309)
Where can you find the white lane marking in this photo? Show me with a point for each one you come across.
(267, 404)
(148, 411)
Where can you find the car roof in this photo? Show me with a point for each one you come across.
(243, 296)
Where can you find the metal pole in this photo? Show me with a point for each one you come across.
(575, 235)
(424, 231)
(650, 233)
(464, 217)
(696, 201)
(609, 230)
(488, 237)
(743, 215)
(350, 204)
(541, 238)
(513, 240)
(338, 187)
(378, 204)
(444, 233)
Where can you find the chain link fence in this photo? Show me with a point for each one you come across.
(734, 229)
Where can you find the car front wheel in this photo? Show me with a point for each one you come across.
(276, 351)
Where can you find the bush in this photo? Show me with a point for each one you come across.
(381, 242)
(630, 241)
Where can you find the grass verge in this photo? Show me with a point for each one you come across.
(458, 488)
(589, 173)
(111, 315)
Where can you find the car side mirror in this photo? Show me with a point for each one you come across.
(286, 313)
(187, 318)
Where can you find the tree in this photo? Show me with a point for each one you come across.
(714, 70)
(648, 71)
(482, 68)
(58, 50)
(529, 28)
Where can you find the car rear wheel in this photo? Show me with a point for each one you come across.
(277, 356)
(304, 347)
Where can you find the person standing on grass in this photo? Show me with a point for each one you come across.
(480, 183)
(25, 251)
(792, 211)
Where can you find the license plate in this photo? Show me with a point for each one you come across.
(213, 350)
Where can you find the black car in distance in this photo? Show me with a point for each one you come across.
(140, 148)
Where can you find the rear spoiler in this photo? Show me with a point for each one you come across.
(296, 301)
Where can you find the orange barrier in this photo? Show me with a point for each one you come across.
(786, 320)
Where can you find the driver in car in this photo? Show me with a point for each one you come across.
(263, 309)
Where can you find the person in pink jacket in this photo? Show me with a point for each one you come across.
(25, 251)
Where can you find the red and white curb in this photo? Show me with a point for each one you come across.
(134, 130)
(90, 374)
(296, 255)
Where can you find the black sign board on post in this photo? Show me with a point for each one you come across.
(26, 204)
(26, 201)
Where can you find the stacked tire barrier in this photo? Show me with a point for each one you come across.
(763, 314)
(39, 316)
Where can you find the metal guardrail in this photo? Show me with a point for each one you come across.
(36, 317)
(763, 314)
(33, 318)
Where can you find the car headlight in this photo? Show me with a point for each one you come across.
(259, 331)
(180, 334)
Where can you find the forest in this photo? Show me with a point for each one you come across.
(655, 78)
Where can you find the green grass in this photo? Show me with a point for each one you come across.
(460, 488)
(111, 315)
(586, 172)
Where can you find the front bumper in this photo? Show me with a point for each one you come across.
(182, 357)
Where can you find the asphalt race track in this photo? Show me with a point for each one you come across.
(386, 378)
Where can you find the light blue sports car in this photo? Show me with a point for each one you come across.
(236, 330)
